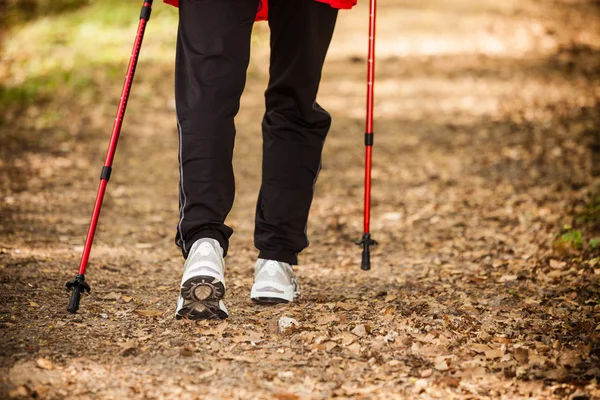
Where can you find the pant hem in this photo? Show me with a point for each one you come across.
(282, 256)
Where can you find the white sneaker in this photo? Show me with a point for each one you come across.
(274, 282)
(203, 283)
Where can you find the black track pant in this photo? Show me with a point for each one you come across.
(213, 50)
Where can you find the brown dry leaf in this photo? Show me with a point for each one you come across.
(361, 330)
(33, 304)
(495, 353)
(327, 319)
(249, 360)
(555, 264)
(354, 348)
(328, 346)
(307, 337)
(522, 355)
(251, 337)
(346, 338)
(536, 359)
(507, 278)
(450, 381)
(213, 331)
(129, 344)
(186, 351)
(285, 396)
(390, 297)
(479, 348)
(149, 313)
(442, 363)
(321, 339)
(570, 358)
(111, 296)
(556, 273)
(126, 299)
(44, 363)
(20, 391)
(346, 306)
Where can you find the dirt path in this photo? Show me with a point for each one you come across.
(485, 115)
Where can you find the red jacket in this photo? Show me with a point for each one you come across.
(263, 6)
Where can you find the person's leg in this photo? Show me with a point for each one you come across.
(213, 51)
(294, 126)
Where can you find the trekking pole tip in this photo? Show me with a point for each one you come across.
(366, 242)
(79, 286)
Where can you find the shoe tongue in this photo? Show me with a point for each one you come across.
(204, 249)
(273, 263)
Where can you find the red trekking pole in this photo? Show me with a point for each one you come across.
(366, 240)
(78, 284)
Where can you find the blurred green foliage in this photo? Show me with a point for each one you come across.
(73, 51)
(13, 12)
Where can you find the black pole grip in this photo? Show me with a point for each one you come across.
(146, 10)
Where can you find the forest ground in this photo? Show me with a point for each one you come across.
(486, 207)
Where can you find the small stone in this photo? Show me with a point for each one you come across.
(420, 386)
(426, 373)
(390, 337)
(44, 363)
(287, 325)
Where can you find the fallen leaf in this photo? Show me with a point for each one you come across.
(360, 330)
(111, 296)
(390, 297)
(450, 381)
(570, 358)
(346, 306)
(149, 313)
(327, 319)
(20, 391)
(251, 337)
(329, 346)
(442, 363)
(186, 351)
(354, 348)
(496, 353)
(129, 344)
(346, 338)
(507, 278)
(479, 348)
(522, 355)
(285, 396)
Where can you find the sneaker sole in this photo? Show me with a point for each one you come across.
(269, 300)
(204, 293)
(272, 296)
